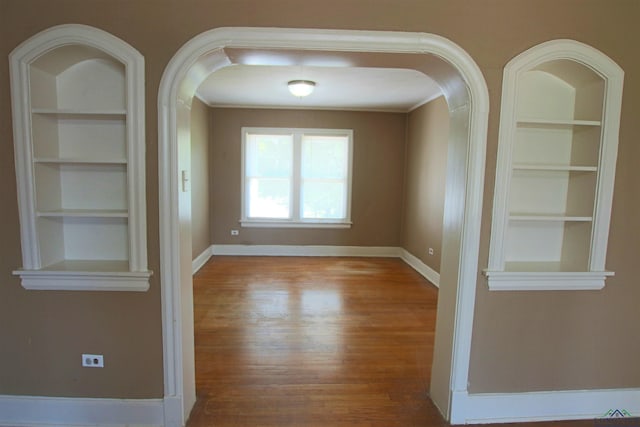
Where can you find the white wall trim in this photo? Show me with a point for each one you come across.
(296, 250)
(541, 406)
(173, 412)
(324, 250)
(80, 412)
(199, 261)
(416, 263)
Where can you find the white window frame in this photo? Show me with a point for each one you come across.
(295, 220)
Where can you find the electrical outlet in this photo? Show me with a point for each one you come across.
(93, 360)
(235, 232)
(430, 251)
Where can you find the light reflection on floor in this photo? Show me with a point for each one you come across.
(295, 322)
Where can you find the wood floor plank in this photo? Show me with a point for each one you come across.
(287, 341)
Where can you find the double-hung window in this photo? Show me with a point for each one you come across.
(296, 177)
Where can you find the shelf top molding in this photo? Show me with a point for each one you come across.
(573, 50)
(76, 34)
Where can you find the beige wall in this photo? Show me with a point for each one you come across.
(522, 341)
(200, 212)
(425, 172)
(378, 162)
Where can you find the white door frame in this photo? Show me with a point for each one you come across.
(468, 100)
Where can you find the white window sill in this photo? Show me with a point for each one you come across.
(250, 223)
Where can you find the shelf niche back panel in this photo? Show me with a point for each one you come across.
(567, 193)
(78, 137)
(62, 186)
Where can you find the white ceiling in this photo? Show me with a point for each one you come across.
(337, 87)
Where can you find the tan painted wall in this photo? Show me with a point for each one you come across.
(378, 162)
(522, 341)
(200, 212)
(425, 172)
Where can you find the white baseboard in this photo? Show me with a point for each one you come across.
(427, 272)
(292, 250)
(173, 413)
(32, 411)
(201, 260)
(542, 406)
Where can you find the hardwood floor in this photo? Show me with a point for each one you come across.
(314, 342)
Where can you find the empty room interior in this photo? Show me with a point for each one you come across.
(398, 120)
(440, 229)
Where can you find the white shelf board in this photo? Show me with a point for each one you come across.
(86, 113)
(548, 217)
(555, 123)
(79, 161)
(85, 213)
(549, 167)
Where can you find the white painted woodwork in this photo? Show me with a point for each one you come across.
(316, 251)
(78, 100)
(518, 408)
(556, 167)
(46, 411)
(466, 91)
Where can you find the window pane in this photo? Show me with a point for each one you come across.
(269, 155)
(269, 198)
(325, 157)
(313, 164)
(323, 200)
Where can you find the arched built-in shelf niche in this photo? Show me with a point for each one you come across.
(556, 166)
(78, 102)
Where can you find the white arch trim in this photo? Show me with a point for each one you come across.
(178, 84)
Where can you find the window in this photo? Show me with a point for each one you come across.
(296, 177)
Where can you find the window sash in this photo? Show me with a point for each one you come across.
(330, 207)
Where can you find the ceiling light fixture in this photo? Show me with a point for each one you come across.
(301, 88)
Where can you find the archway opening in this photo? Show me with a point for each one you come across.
(465, 90)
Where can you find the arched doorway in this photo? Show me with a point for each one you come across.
(467, 96)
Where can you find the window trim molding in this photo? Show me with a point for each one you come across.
(263, 223)
(295, 220)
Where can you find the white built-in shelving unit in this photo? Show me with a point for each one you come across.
(556, 167)
(78, 102)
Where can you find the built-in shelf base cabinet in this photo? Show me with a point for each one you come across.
(556, 167)
(77, 94)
